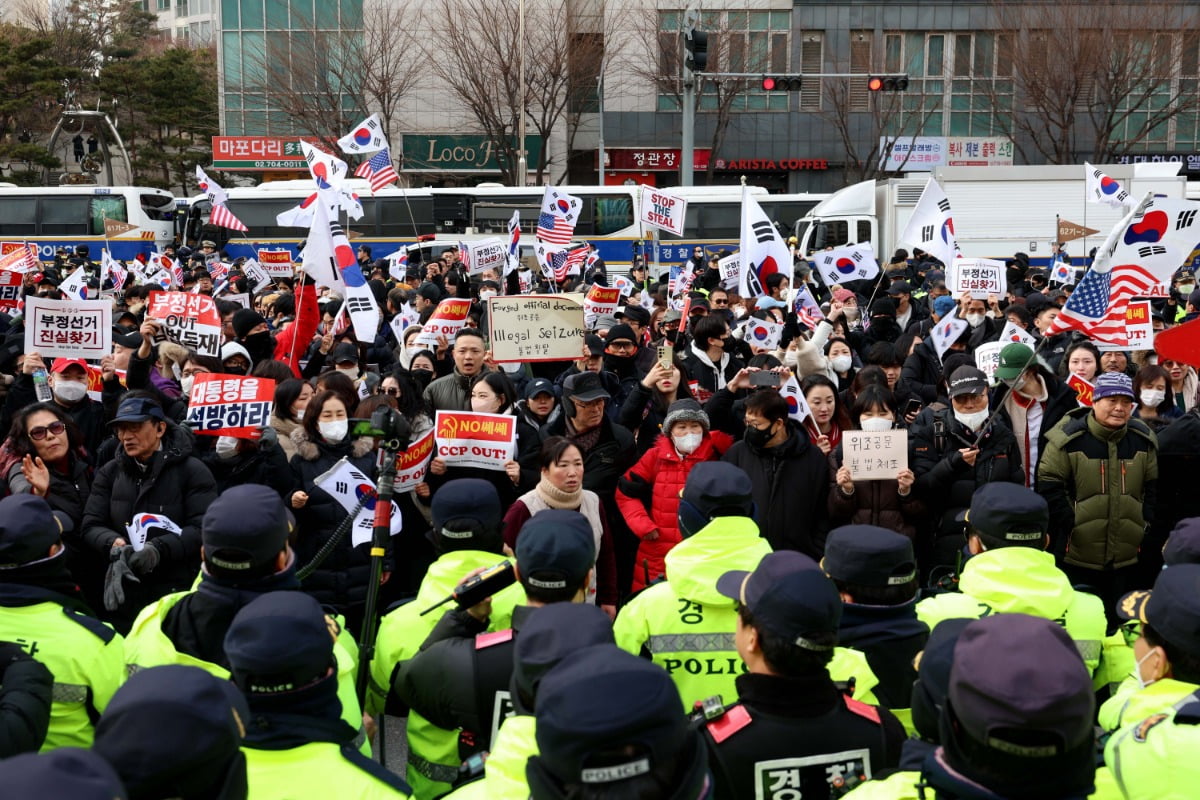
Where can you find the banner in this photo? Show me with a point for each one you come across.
(68, 328)
(875, 456)
(448, 319)
(10, 291)
(854, 262)
(662, 210)
(412, 464)
(95, 381)
(1070, 231)
(1139, 327)
(348, 485)
(191, 320)
(276, 263)
(599, 300)
(468, 439)
(979, 276)
(225, 405)
(485, 254)
(535, 328)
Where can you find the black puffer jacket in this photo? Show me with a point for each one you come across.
(341, 579)
(263, 465)
(603, 465)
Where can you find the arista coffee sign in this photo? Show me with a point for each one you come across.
(773, 165)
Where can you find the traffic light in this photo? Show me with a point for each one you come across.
(781, 83)
(695, 46)
(887, 83)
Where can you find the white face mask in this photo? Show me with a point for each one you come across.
(739, 311)
(335, 430)
(875, 424)
(1186, 288)
(351, 373)
(975, 320)
(974, 421)
(688, 442)
(226, 447)
(841, 363)
(1137, 671)
(1152, 398)
(482, 405)
(70, 391)
(485, 296)
(186, 383)
(300, 415)
(852, 312)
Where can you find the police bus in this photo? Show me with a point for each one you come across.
(140, 219)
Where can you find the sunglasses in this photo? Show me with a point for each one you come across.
(1131, 631)
(392, 390)
(39, 433)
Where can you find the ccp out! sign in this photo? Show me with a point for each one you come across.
(469, 439)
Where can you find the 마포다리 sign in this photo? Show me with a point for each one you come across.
(68, 328)
(535, 328)
(230, 405)
(469, 439)
(875, 456)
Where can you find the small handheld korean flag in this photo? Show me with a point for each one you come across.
(75, 285)
(797, 405)
(139, 529)
(854, 262)
(946, 333)
(763, 334)
(1015, 333)
(1062, 272)
(346, 484)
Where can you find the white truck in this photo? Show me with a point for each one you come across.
(997, 211)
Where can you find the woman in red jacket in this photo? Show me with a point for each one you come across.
(648, 494)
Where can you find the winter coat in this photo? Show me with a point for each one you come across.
(658, 477)
(266, 466)
(873, 503)
(68, 492)
(706, 377)
(1060, 400)
(451, 392)
(1101, 485)
(341, 579)
(922, 371)
(603, 464)
(791, 484)
(284, 428)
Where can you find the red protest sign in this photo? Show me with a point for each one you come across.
(188, 319)
(412, 463)
(469, 439)
(230, 405)
(1083, 389)
(10, 290)
(447, 320)
(276, 263)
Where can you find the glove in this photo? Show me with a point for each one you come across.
(144, 560)
(10, 653)
(269, 438)
(118, 571)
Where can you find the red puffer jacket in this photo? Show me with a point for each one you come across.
(658, 477)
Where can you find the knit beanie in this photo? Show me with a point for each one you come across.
(685, 410)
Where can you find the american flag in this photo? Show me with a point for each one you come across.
(1097, 306)
(218, 270)
(806, 308)
(560, 211)
(378, 170)
(574, 261)
(222, 217)
(341, 322)
(113, 270)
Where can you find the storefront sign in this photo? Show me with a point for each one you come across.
(260, 153)
(452, 152)
(651, 159)
(772, 165)
(925, 152)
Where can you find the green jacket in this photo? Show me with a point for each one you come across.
(1022, 580)
(1132, 703)
(1101, 486)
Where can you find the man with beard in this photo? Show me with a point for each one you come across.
(291, 343)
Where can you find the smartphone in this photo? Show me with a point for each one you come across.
(913, 406)
(764, 378)
(666, 355)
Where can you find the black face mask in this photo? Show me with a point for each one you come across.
(758, 437)
(260, 346)
(421, 376)
(622, 365)
(236, 371)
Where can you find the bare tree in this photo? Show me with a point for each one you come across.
(871, 124)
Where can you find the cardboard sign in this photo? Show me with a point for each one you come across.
(663, 210)
(412, 464)
(188, 319)
(987, 358)
(448, 319)
(228, 405)
(242, 299)
(10, 291)
(979, 276)
(1138, 327)
(276, 263)
(485, 254)
(1083, 389)
(68, 328)
(468, 439)
(599, 300)
(535, 328)
(875, 456)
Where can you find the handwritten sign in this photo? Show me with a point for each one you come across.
(225, 405)
(468, 439)
(979, 276)
(68, 328)
(875, 456)
(448, 319)
(1139, 327)
(412, 464)
(276, 263)
(485, 254)
(663, 210)
(191, 320)
(535, 328)
(987, 358)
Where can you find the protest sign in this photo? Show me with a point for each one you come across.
(535, 328)
(730, 267)
(485, 254)
(599, 300)
(663, 210)
(68, 328)
(191, 320)
(226, 405)
(1083, 389)
(979, 276)
(95, 381)
(10, 291)
(1139, 327)
(255, 273)
(412, 464)
(468, 439)
(346, 484)
(276, 263)
(680, 278)
(875, 456)
(242, 299)
(987, 358)
(448, 319)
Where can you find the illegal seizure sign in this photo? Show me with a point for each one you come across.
(535, 328)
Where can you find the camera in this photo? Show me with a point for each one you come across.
(386, 424)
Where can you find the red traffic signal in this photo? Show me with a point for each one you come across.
(874, 84)
(768, 84)
(887, 83)
(781, 83)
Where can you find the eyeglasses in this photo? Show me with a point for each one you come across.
(622, 346)
(719, 302)
(392, 390)
(1132, 631)
(39, 433)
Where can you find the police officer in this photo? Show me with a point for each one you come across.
(608, 725)
(176, 731)
(25, 695)
(466, 535)
(461, 677)
(1155, 758)
(280, 650)
(875, 571)
(42, 610)
(553, 633)
(246, 554)
(66, 772)
(1009, 571)
(792, 732)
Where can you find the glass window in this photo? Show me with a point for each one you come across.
(613, 214)
(18, 216)
(327, 15)
(668, 20)
(893, 51)
(253, 64)
(277, 15)
(352, 14)
(781, 20)
(936, 46)
(396, 216)
(65, 215)
(760, 20)
(256, 123)
(231, 52)
(252, 14)
(984, 55)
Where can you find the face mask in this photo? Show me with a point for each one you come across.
(973, 421)
(974, 320)
(175, 371)
(485, 296)
(226, 447)
(300, 415)
(334, 431)
(756, 437)
(70, 391)
(739, 311)
(421, 376)
(875, 424)
(791, 357)
(351, 373)
(482, 406)
(841, 363)
(1186, 288)
(1152, 398)
(186, 383)
(852, 313)
(1137, 671)
(688, 442)
(512, 368)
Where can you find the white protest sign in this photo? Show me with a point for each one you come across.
(412, 464)
(979, 276)
(448, 319)
(987, 358)
(242, 299)
(486, 254)
(1139, 327)
(256, 274)
(730, 267)
(68, 328)
(663, 210)
(535, 328)
(469, 439)
(875, 456)
(276, 263)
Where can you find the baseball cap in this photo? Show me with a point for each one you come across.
(343, 353)
(868, 555)
(126, 338)
(1172, 607)
(1007, 514)
(634, 313)
(243, 531)
(789, 594)
(842, 295)
(585, 387)
(1112, 384)
(1183, 545)
(594, 344)
(1015, 358)
(604, 322)
(967, 380)
(279, 642)
(549, 635)
(138, 409)
(61, 364)
(429, 291)
(466, 515)
(900, 287)
(933, 676)
(65, 772)
(767, 303)
(28, 529)
(208, 243)
(555, 549)
(539, 386)
(943, 305)
(672, 315)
